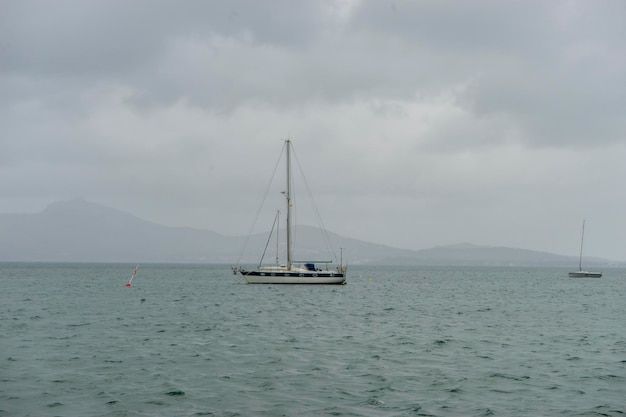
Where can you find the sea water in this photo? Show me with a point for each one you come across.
(194, 340)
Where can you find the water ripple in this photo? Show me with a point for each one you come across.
(186, 341)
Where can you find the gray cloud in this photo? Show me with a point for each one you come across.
(421, 123)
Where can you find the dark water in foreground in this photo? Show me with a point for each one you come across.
(191, 340)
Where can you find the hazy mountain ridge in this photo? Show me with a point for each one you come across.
(80, 231)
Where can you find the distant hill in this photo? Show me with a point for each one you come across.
(81, 231)
(468, 254)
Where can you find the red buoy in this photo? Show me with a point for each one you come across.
(127, 284)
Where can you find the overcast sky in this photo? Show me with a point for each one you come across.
(417, 123)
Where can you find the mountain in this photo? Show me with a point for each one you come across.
(78, 230)
(468, 254)
(81, 231)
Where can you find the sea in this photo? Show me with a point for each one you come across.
(195, 340)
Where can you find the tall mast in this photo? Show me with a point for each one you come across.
(580, 258)
(288, 197)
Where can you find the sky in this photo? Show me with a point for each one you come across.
(417, 123)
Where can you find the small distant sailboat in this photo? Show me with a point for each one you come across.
(293, 272)
(132, 276)
(582, 273)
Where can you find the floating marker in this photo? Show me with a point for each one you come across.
(132, 276)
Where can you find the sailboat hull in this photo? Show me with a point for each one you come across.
(322, 277)
(585, 274)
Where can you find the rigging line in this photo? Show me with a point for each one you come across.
(327, 241)
(258, 213)
(269, 238)
(294, 211)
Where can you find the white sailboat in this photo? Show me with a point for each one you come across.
(582, 273)
(302, 272)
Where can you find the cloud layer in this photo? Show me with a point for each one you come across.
(417, 123)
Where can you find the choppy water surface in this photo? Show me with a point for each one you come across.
(192, 340)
